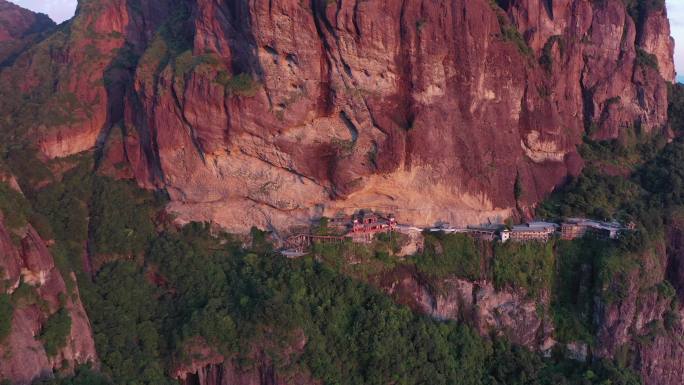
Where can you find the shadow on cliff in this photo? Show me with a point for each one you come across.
(241, 39)
(122, 98)
(119, 78)
(174, 23)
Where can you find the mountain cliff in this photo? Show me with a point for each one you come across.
(138, 117)
(635, 316)
(19, 29)
(43, 325)
(272, 113)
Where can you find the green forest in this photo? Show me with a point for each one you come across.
(160, 290)
(236, 299)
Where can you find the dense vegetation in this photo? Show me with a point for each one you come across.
(528, 266)
(589, 271)
(653, 188)
(14, 207)
(525, 266)
(360, 260)
(676, 107)
(123, 311)
(83, 376)
(456, 254)
(6, 312)
(195, 284)
(121, 218)
(55, 331)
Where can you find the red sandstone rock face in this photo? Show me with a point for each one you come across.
(64, 91)
(19, 28)
(23, 356)
(407, 108)
(643, 322)
(427, 109)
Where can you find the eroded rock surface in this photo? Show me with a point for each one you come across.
(637, 319)
(19, 28)
(504, 312)
(29, 264)
(272, 113)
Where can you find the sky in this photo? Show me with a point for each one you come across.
(675, 10)
(60, 10)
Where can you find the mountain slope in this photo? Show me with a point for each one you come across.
(47, 328)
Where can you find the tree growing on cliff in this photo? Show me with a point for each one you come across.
(676, 107)
(6, 313)
(84, 375)
(55, 332)
(450, 254)
(517, 187)
(121, 217)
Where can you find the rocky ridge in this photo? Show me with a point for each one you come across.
(27, 266)
(19, 29)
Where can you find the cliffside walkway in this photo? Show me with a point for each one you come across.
(300, 243)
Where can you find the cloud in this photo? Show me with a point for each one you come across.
(58, 10)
